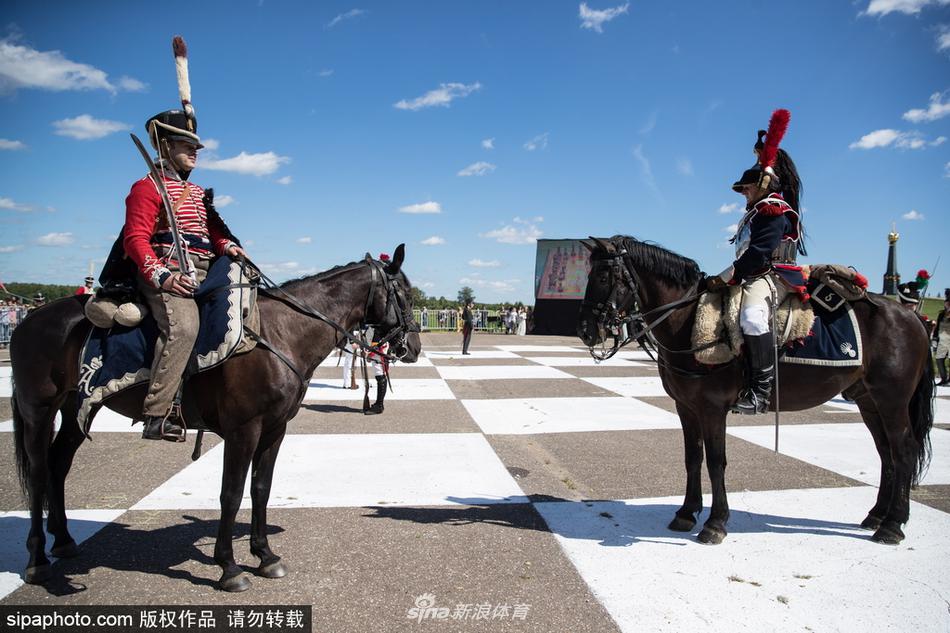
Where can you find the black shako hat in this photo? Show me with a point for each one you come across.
(173, 125)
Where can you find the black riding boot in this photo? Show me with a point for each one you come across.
(942, 368)
(377, 407)
(760, 356)
(167, 427)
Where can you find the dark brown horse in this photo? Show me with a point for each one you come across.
(247, 401)
(893, 388)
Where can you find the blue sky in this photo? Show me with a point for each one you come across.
(469, 129)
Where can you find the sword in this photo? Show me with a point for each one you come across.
(774, 298)
(180, 248)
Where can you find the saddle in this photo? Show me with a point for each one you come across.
(831, 289)
(120, 357)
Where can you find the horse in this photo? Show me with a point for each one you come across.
(247, 400)
(655, 289)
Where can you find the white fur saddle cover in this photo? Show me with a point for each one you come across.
(717, 324)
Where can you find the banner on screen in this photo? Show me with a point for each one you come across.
(561, 269)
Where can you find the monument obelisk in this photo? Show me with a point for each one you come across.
(892, 277)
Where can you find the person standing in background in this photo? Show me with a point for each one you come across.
(942, 337)
(468, 325)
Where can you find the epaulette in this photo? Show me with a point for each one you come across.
(772, 207)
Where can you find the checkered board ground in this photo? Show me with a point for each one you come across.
(522, 475)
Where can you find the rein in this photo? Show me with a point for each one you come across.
(272, 290)
(643, 333)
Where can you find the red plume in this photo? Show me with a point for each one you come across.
(178, 47)
(777, 127)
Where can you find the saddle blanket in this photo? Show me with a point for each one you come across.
(834, 340)
(120, 357)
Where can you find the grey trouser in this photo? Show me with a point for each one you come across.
(177, 319)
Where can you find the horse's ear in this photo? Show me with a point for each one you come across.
(604, 244)
(588, 245)
(399, 255)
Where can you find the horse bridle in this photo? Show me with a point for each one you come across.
(616, 321)
(405, 321)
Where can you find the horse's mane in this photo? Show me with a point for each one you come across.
(321, 276)
(653, 258)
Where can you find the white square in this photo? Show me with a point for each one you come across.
(499, 372)
(403, 389)
(630, 386)
(357, 470)
(567, 415)
(813, 567)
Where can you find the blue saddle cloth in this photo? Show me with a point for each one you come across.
(834, 341)
(120, 357)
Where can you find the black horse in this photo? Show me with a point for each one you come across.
(893, 388)
(247, 401)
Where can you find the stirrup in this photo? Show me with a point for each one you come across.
(751, 403)
(171, 427)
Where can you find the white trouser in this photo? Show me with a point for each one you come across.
(755, 316)
(348, 357)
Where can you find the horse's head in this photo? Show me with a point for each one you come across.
(610, 292)
(389, 307)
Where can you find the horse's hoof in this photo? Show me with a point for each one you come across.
(711, 536)
(888, 535)
(235, 584)
(872, 522)
(276, 569)
(679, 524)
(38, 575)
(67, 550)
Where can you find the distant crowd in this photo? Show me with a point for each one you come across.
(509, 320)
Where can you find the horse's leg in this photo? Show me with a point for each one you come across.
(262, 475)
(714, 438)
(872, 419)
(903, 449)
(64, 448)
(685, 519)
(239, 446)
(35, 422)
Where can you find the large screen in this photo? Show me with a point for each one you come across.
(561, 269)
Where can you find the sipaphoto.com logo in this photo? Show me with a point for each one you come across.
(425, 609)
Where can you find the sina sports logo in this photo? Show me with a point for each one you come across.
(425, 609)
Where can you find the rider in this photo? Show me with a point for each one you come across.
(148, 242)
(768, 240)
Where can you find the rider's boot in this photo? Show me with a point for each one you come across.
(760, 357)
(377, 407)
(164, 427)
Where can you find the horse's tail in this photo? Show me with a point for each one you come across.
(19, 443)
(922, 417)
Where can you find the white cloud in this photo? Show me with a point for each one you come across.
(901, 140)
(286, 268)
(649, 125)
(422, 207)
(211, 144)
(424, 284)
(286, 180)
(479, 263)
(326, 72)
(6, 144)
(943, 37)
(937, 109)
(594, 19)
(441, 96)
(913, 214)
(25, 67)
(261, 164)
(946, 170)
(519, 232)
(646, 170)
(506, 285)
(131, 84)
(477, 169)
(11, 249)
(304, 240)
(55, 239)
(435, 240)
(538, 142)
(86, 128)
(731, 229)
(349, 15)
(907, 7)
(488, 143)
(11, 205)
(223, 201)
(684, 166)
(732, 207)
